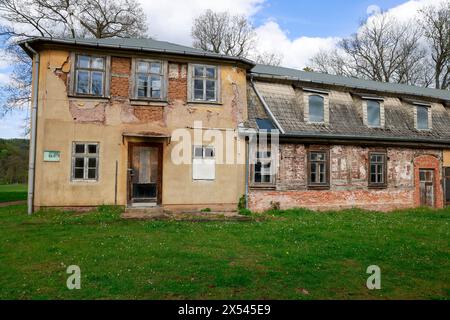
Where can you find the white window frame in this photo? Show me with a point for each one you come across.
(86, 156)
(326, 105)
(162, 74)
(205, 161)
(366, 115)
(429, 115)
(90, 71)
(191, 84)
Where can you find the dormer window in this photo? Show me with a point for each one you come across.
(423, 117)
(316, 109)
(373, 113)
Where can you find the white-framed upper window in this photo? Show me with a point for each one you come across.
(373, 113)
(90, 75)
(423, 117)
(316, 109)
(85, 156)
(149, 79)
(203, 163)
(204, 83)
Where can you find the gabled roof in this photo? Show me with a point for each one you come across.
(286, 104)
(146, 45)
(264, 71)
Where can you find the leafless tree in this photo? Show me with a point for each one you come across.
(268, 58)
(59, 18)
(382, 50)
(435, 21)
(223, 33)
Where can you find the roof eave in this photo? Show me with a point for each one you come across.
(250, 64)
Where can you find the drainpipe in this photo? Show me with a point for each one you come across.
(247, 173)
(33, 131)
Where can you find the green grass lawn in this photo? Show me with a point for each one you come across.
(13, 192)
(289, 255)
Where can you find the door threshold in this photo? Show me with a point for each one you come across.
(143, 205)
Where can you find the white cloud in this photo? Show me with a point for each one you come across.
(172, 20)
(373, 9)
(296, 53)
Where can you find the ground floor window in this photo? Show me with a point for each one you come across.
(447, 184)
(203, 163)
(263, 171)
(85, 161)
(377, 169)
(318, 168)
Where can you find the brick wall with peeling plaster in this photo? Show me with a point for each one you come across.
(349, 180)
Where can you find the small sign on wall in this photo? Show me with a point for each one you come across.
(52, 156)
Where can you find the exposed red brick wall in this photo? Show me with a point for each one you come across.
(120, 76)
(149, 114)
(177, 82)
(429, 162)
(349, 180)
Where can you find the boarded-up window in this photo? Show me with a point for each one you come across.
(203, 163)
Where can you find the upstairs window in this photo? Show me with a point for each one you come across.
(316, 109)
(373, 113)
(85, 161)
(204, 83)
(377, 169)
(149, 79)
(422, 118)
(90, 75)
(318, 169)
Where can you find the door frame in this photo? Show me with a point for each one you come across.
(131, 145)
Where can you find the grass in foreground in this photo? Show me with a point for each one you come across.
(290, 255)
(13, 192)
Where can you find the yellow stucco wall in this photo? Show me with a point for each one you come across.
(446, 161)
(57, 130)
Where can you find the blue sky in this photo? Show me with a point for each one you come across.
(296, 28)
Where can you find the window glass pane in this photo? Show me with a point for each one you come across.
(316, 109)
(97, 83)
(198, 89)
(82, 81)
(92, 173)
(211, 73)
(79, 162)
(155, 67)
(373, 113)
(143, 66)
(79, 148)
(156, 86)
(92, 148)
(198, 152)
(142, 85)
(78, 173)
(209, 152)
(210, 90)
(97, 63)
(422, 117)
(198, 71)
(92, 163)
(83, 61)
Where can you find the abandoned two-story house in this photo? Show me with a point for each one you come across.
(112, 113)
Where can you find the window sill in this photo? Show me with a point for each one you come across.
(80, 181)
(145, 102)
(262, 187)
(212, 103)
(380, 187)
(324, 187)
(98, 98)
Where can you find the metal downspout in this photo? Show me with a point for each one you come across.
(247, 171)
(33, 131)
